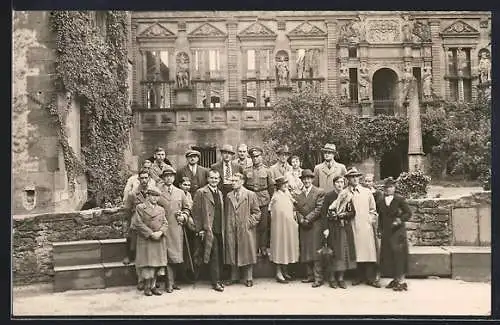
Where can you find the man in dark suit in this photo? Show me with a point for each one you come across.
(196, 173)
(208, 213)
(309, 204)
(227, 168)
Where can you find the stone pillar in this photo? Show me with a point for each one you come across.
(415, 147)
(438, 67)
(331, 50)
(232, 64)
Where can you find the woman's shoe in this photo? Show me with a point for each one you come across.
(391, 284)
(342, 284)
(401, 286)
(288, 277)
(156, 291)
(281, 280)
(332, 284)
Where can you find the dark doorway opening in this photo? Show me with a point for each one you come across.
(394, 162)
(385, 85)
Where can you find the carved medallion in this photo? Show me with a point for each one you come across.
(383, 31)
(257, 29)
(207, 30)
(156, 30)
(306, 29)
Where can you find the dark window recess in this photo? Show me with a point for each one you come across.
(208, 155)
(353, 52)
(353, 86)
(417, 73)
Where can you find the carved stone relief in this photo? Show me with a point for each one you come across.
(353, 31)
(459, 27)
(156, 30)
(306, 29)
(207, 30)
(344, 82)
(383, 31)
(364, 82)
(282, 69)
(257, 29)
(427, 81)
(182, 76)
(406, 29)
(421, 31)
(484, 66)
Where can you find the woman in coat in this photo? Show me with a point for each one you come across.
(284, 230)
(393, 212)
(151, 249)
(337, 218)
(294, 182)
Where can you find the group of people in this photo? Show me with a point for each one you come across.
(241, 209)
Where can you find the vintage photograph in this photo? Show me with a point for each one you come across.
(210, 163)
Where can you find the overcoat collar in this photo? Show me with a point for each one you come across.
(328, 171)
(232, 198)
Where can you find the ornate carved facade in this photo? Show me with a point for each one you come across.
(205, 78)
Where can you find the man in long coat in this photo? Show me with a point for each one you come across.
(325, 172)
(259, 180)
(364, 233)
(309, 204)
(226, 167)
(281, 168)
(177, 212)
(208, 212)
(196, 173)
(242, 217)
(393, 212)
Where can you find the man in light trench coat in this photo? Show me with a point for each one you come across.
(325, 172)
(242, 217)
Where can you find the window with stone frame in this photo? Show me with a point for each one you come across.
(459, 74)
(207, 78)
(308, 66)
(258, 77)
(156, 84)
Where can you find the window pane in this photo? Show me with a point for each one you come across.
(212, 60)
(265, 90)
(150, 58)
(251, 95)
(251, 59)
(164, 70)
(301, 63)
(467, 90)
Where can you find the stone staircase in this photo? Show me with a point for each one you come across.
(95, 264)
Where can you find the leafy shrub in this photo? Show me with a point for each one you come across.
(485, 179)
(413, 184)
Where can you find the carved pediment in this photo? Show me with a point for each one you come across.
(461, 28)
(156, 30)
(306, 29)
(257, 30)
(207, 30)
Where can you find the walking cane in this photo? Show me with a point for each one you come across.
(188, 250)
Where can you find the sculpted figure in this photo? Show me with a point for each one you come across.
(484, 67)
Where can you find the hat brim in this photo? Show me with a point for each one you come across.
(192, 154)
(306, 176)
(228, 151)
(328, 150)
(353, 175)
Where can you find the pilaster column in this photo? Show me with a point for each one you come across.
(232, 63)
(331, 52)
(136, 58)
(438, 67)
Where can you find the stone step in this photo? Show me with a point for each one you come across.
(470, 263)
(117, 274)
(76, 253)
(426, 261)
(113, 250)
(79, 277)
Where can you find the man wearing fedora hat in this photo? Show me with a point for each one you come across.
(259, 179)
(394, 211)
(227, 168)
(178, 214)
(196, 173)
(281, 168)
(325, 172)
(364, 233)
(309, 203)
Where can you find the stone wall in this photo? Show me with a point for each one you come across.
(430, 225)
(37, 161)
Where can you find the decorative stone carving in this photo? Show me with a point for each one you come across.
(282, 69)
(257, 29)
(308, 63)
(460, 27)
(182, 76)
(207, 30)
(353, 31)
(484, 66)
(306, 29)
(281, 25)
(421, 31)
(406, 80)
(406, 29)
(427, 81)
(483, 23)
(156, 30)
(383, 31)
(344, 82)
(364, 82)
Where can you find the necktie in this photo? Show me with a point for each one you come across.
(237, 194)
(227, 174)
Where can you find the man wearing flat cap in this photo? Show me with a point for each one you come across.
(365, 217)
(196, 173)
(227, 168)
(260, 180)
(281, 168)
(325, 172)
(178, 214)
(309, 204)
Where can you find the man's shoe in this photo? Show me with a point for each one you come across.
(169, 289)
(156, 291)
(375, 284)
(249, 283)
(342, 284)
(148, 292)
(140, 286)
(317, 284)
(308, 280)
(280, 280)
(391, 284)
(332, 284)
(218, 287)
(356, 282)
(176, 287)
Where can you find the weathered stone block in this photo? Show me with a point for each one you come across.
(485, 225)
(76, 253)
(116, 274)
(428, 261)
(465, 226)
(470, 263)
(431, 227)
(411, 225)
(113, 250)
(79, 277)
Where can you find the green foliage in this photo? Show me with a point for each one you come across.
(93, 69)
(413, 185)
(485, 179)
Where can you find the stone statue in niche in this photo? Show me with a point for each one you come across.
(344, 82)
(427, 82)
(421, 31)
(364, 82)
(407, 79)
(484, 66)
(182, 76)
(406, 29)
(282, 69)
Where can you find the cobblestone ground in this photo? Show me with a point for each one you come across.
(266, 297)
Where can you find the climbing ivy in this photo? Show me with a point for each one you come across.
(91, 68)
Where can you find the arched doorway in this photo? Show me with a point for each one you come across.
(385, 89)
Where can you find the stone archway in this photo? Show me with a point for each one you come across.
(385, 90)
